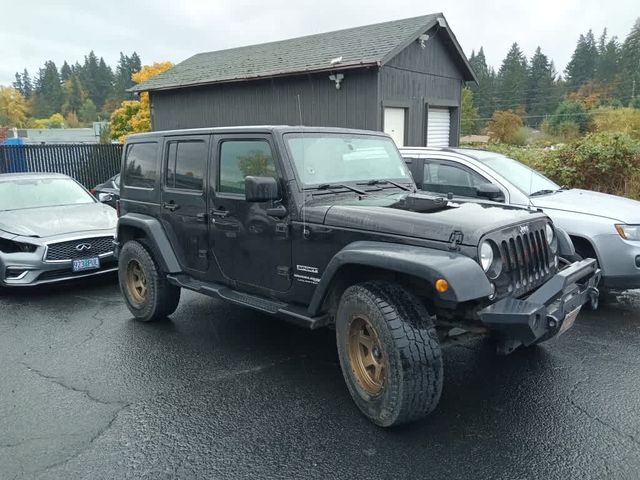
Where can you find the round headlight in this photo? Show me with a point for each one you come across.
(486, 256)
(549, 233)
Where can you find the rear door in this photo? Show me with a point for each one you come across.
(441, 176)
(184, 200)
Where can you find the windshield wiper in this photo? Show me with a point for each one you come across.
(542, 192)
(330, 186)
(391, 182)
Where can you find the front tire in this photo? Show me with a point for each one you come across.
(389, 353)
(148, 294)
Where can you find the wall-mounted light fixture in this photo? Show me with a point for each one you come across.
(422, 40)
(338, 77)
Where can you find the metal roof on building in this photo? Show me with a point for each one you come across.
(369, 45)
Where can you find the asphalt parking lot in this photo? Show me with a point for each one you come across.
(219, 391)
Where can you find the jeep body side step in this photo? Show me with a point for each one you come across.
(292, 313)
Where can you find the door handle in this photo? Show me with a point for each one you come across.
(171, 206)
(202, 217)
(220, 213)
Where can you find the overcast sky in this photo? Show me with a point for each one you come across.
(173, 30)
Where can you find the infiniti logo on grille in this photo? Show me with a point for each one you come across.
(81, 247)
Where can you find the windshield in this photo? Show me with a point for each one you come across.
(523, 177)
(331, 158)
(19, 193)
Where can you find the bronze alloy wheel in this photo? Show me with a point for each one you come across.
(366, 356)
(136, 282)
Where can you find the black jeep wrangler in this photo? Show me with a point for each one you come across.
(324, 227)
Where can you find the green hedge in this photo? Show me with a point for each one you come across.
(606, 162)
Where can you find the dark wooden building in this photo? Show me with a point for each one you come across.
(404, 77)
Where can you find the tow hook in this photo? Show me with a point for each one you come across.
(594, 298)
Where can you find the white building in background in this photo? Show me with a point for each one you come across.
(39, 136)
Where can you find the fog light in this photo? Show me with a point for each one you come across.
(442, 285)
(14, 273)
(638, 261)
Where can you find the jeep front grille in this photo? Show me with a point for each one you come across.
(80, 248)
(527, 262)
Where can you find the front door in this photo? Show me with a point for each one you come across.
(250, 246)
(184, 201)
(394, 119)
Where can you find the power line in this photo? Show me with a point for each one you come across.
(586, 114)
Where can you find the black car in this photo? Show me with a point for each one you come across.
(324, 226)
(109, 191)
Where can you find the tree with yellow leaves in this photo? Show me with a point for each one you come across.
(13, 108)
(134, 116)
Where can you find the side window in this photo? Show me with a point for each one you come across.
(140, 165)
(447, 178)
(241, 158)
(186, 165)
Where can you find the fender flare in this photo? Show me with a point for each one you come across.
(467, 281)
(566, 248)
(155, 236)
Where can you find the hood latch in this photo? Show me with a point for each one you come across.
(455, 240)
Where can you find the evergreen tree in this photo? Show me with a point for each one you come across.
(65, 72)
(469, 113)
(582, 66)
(88, 112)
(89, 74)
(630, 63)
(49, 93)
(22, 83)
(541, 93)
(27, 86)
(18, 85)
(484, 92)
(135, 64)
(608, 61)
(73, 92)
(126, 67)
(512, 80)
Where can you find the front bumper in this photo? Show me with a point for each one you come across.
(28, 269)
(619, 261)
(548, 311)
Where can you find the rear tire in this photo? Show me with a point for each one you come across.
(147, 293)
(389, 353)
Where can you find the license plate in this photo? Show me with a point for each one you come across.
(569, 320)
(86, 264)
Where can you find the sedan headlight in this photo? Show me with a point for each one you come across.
(629, 232)
(486, 256)
(9, 246)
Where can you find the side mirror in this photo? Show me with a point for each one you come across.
(260, 189)
(105, 197)
(490, 191)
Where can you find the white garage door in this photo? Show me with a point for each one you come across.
(438, 124)
(394, 124)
